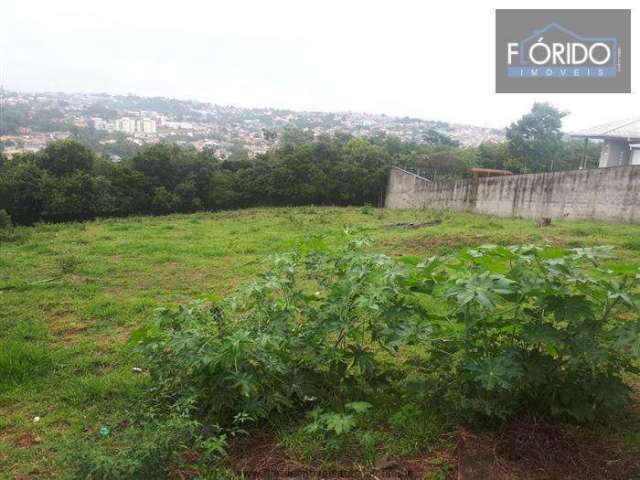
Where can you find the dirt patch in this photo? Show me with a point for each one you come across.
(65, 327)
(560, 241)
(69, 335)
(27, 440)
(116, 292)
(414, 224)
(80, 280)
(7, 432)
(433, 244)
(527, 449)
(261, 456)
(60, 315)
(106, 343)
(429, 243)
(533, 450)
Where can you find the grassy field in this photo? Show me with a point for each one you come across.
(70, 295)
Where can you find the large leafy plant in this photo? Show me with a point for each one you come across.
(530, 328)
(486, 332)
(314, 327)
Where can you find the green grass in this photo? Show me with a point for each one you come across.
(71, 294)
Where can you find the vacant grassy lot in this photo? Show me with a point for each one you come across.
(71, 294)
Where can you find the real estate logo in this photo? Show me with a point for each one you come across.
(563, 51)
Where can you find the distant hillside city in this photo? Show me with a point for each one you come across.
(118, 126)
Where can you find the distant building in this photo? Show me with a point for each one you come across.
(146, 125)
(58, 135)
(131, 126)
(149, 126)
(126, 125)
(99, 123)
(621, 142)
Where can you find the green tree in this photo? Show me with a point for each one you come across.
(67, 182)
(187, 194)
(22, 189)
(222, 190)
(77, 196)
(498, 156)
(65, 156)
(161, 163)
(130, 191)
(163, 201)
(536, 139)
(440, 163)
(573, 153)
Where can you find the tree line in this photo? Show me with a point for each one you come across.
(68, 181)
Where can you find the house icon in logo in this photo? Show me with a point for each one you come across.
(562, 35)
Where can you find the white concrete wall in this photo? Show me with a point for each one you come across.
(602, 194)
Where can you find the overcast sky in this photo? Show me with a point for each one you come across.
(429, 59)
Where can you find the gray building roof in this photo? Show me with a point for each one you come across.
(628, 129)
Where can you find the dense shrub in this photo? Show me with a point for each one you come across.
(64, 157)
(22, 189)
(533, 329)
(277, 345)
(486, 333)
(5, 220)
(66, 181)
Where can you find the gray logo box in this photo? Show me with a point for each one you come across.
(563, 51)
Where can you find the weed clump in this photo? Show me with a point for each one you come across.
(67, 263)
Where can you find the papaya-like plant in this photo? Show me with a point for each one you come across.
(488, 332)
(531, 328)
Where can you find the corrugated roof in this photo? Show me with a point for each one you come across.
(629, 128)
